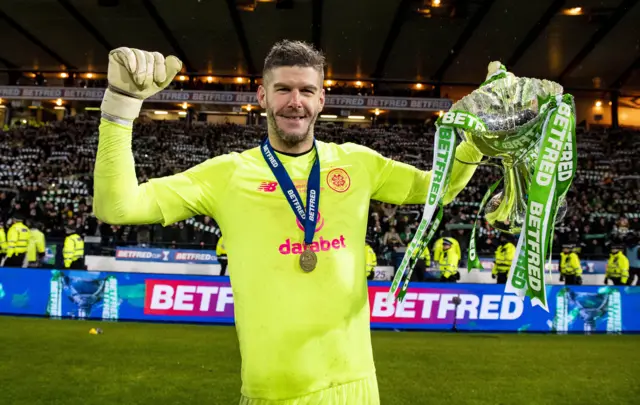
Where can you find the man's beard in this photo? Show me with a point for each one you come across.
(290, 139)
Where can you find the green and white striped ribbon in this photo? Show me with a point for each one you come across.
(423, 245)
(443, 157)
(554, 171)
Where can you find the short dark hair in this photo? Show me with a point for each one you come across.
(293, 53)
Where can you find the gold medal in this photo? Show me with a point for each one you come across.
(308, 260)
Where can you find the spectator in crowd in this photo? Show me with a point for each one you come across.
(392, 238)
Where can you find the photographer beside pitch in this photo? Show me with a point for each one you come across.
(302, 315)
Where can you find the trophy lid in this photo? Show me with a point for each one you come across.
(510, 107)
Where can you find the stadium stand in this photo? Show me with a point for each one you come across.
(46, 175)
(210, 83)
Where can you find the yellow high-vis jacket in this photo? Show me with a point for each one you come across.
(570, 264)
(36, 245)
(370, 259)
(449, 260)
(73, 249)
(504, 257)
(220, 250)
(18, 239)
(437, 248)
(618, 267)
(3, 241)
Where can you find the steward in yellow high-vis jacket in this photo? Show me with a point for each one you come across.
(570, 267)
(438, 249)
(505, 253)
(36, 247)
(449, 260)
(617, 267)
(221, 252)
(17, 242)
(73, 250)
(371, 261)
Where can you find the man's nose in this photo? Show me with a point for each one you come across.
(294, 100)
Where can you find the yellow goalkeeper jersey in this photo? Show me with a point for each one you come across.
(298, 332)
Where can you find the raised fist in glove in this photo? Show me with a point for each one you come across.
(133, 76)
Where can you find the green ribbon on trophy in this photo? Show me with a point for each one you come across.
(443, 155)
(554, 172)
(528, 125)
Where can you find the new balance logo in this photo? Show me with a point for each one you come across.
(268, 186)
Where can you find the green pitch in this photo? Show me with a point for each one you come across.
(59, 362)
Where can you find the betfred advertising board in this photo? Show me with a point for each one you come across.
(209, 299)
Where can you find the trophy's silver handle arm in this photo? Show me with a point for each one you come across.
(487, 162)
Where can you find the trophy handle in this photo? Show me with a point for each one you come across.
(487, 162)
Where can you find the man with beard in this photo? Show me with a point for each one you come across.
(301, 303)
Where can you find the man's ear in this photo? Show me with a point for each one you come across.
(321, 101)
(262, 96)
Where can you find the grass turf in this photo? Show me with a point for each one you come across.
(58, 362)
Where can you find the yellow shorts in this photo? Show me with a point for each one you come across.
(360, 392)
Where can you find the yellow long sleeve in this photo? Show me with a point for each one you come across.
(118, 199)
(399, 183)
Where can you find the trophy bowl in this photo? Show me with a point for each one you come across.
(510, 107)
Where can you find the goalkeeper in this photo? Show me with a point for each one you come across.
(301, 300)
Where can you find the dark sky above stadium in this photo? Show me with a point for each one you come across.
(584, 43)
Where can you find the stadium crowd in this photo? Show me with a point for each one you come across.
(46, 177)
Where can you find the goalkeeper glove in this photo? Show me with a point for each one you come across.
(133, 76)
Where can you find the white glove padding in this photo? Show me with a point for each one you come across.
(135, 75)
